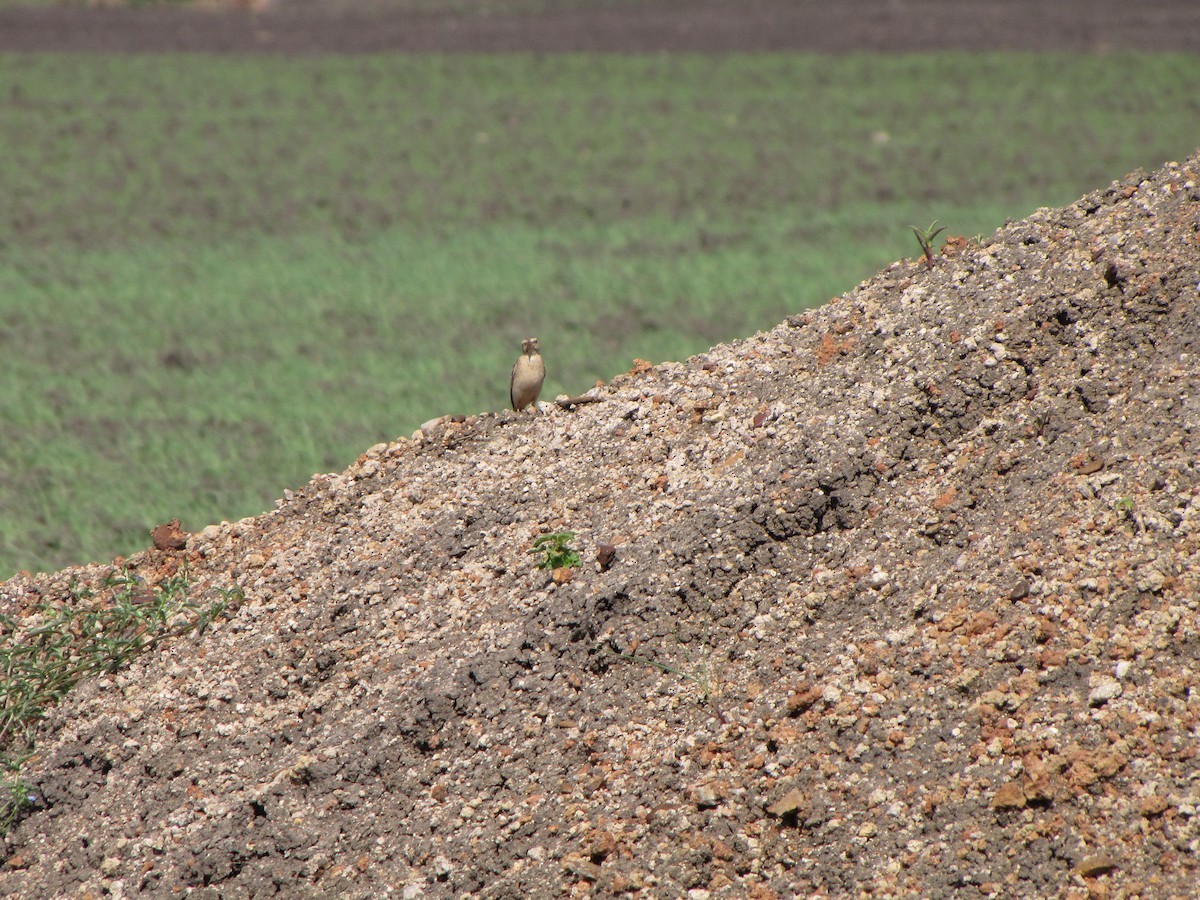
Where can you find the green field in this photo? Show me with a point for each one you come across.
(220, 275)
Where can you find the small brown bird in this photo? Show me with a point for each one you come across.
(528, 373)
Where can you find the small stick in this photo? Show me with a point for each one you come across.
(572, 402)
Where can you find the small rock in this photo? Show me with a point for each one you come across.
(878, 579)
(1096, 864)
(967, 678)
(430, 428)
(169, 536)
(1087, 462)
(982, 622)
(709, 795)
(442, 867)
(606, 555)
(1106, 689)
(1150, 580)
(1154, 805)
(301, 772)
(1048, 659)
(601, 845)
(805, 696)
(1005, 700)
(582, 868)
(210, 533)
(1009, 796)
(788, 805)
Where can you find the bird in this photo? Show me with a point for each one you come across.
(528, 373)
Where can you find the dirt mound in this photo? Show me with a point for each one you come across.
(904, 600)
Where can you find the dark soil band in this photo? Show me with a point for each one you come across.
(754, 25)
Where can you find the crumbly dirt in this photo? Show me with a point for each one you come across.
(365, 26)
(903, 603)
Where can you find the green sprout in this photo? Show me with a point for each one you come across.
(16, 794)
(698, 673)
(556, 551)
(926, 237)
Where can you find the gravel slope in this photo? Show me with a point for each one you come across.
(917, 572)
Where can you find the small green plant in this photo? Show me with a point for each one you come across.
(16, 794)
(1126, 510)
(92, 632)
(555, 550)
(697, 672)
(88, 635)
(926, 237)
(1039, 423)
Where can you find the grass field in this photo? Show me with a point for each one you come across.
(219, 275)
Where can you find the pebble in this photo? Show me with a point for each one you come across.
(1104, 690)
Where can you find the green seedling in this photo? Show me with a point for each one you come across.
(697, 672)
(926, 237)
(555, 550)
(1126, 509)
(16, 794)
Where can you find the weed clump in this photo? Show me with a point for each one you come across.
(92, 633)
(556, 551)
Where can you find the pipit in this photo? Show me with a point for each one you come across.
(528, 373)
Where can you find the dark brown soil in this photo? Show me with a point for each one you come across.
(883, 25)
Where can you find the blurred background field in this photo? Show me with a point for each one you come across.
(219, 275)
